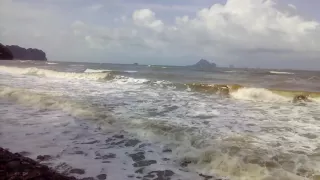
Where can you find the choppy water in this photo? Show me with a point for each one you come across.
(171, 117)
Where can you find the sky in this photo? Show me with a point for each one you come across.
(245, 33)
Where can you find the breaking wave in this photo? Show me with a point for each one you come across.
(258, 94)
(107, 70)
(119, 77)
(280, 72)
(56, 74)
(51, 63)
(235, 157)
(44, 101)
(97, 70)
(253, 94)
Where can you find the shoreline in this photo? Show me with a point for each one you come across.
(17, 166)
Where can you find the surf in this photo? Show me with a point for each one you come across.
(280, 72)
(237, 91)
(45, 101)
(55, 74)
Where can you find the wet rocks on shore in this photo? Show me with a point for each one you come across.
(16, 166)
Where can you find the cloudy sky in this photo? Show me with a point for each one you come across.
(251, 33)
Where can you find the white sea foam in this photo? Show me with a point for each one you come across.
(51, 63)
(131, 71)
(258, 94)
(45, 101)
(55, 74)
(96, 70)
(280, 72)
(251, 139)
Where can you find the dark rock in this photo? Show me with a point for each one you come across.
(144, 163)
(91, 142)
(32, 174)
(206, 177)
(88, 178)
(140, 171)
(185, 163)
(167, 150)
(161, 175)
(109, 140)
(143, 145)
(78, 152)
(165, 159)
(118, 136)
(15, 166)
(77, 171)
(132, 142)
(102, 177)
(130, 176)
(44, 157)
(168, 173)
(149, 176)
(137, 156)
(105, 162)
(118, 143)
(5, 53)
(24, 153)
(109, 156)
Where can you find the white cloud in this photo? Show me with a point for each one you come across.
(146, 18)
(237, 30)
(292, 6)
(96, 7)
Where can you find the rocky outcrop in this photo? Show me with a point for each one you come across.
(5, 53)
(16, 52)
(15, 166)
(204, 65)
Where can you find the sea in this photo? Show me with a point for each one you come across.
(123, 122)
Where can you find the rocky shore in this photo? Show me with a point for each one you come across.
(14, 166)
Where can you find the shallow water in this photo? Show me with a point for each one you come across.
(256, 133)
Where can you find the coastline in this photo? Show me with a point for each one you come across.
(17, 166)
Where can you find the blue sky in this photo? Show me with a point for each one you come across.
(251, 33)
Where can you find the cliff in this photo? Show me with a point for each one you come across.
(17, 52)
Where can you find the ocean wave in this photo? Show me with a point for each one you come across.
(107, 70)
(251, 93)
(234, 157)
(51, 63)
(280, 72)
(44, 101)
(56, 74)
(258, 94)
(231, 71)
(97, 70)
(119, 77)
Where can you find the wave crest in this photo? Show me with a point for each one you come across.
(258, 94)
(45, 101)
(280, 72)
(235, 156)
(56, 74)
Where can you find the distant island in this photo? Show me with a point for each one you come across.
(14, 52)
(204, 65)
